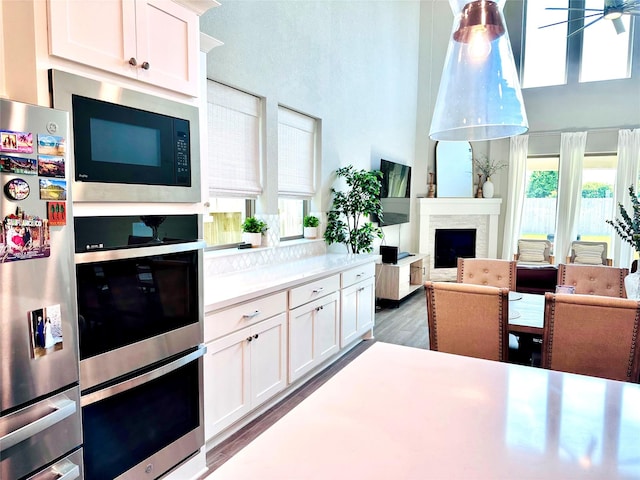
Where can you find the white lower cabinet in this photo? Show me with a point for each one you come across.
(357, 306)
(242, 370)
(313, 334)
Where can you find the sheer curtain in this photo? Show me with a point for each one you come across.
(515, 198)
(628, 162)
(572, 146)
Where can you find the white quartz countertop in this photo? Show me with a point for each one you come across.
(224, 290)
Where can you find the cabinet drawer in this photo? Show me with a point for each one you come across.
(312, 290)
(358, 274)
(223, 322)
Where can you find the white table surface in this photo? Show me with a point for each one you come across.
(404, 413)
(526, 315)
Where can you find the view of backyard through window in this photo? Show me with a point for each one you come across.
(596, 205)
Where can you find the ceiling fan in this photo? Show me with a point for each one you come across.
(612, 10)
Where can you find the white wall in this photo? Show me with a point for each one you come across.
(352, 64)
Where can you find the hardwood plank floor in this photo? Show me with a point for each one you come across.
(404, 325)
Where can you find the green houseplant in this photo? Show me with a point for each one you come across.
(628, 229)
(252, 230)
(310, 224)
(345, 221)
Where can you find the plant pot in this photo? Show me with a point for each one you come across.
(632, 285)
(487, 188)
(310, 232)
(255, 239)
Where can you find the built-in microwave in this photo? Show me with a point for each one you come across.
(128, 146)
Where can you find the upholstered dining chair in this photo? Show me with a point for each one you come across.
(487, 271)
(592, 335)
(534, 252)
(589, 253)
(467, 319)
(493, 272)
(593, 279)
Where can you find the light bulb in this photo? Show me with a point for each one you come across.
(479, 45)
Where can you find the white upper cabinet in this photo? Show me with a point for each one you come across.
(154, 41)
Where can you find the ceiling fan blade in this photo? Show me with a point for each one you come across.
(572, 20)
(575, 9)
(585, 26)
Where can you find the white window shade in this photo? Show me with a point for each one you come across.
(233, 119)
(296, 153)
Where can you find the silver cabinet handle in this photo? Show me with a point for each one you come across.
(145, 66)
(63, 408)
(252, 314)
(133, 62)
(71, 473)
(143, 378)
(318, 290)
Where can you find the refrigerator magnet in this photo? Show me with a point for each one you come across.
(16, 141)
(16, 189)
(51, 145)
(57, 213)
(53, 189)
(18, 165)
(50, 166)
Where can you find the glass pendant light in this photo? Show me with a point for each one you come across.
(479, 96)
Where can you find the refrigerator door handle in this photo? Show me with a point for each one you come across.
(63, 408)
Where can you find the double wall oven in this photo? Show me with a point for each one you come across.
(140, 343)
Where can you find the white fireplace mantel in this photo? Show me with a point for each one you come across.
(479, 213)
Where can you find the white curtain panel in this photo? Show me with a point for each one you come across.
(572, 146)
(518, 150)
(628, 162)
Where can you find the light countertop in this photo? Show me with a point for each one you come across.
(405, 413)
(225, 290)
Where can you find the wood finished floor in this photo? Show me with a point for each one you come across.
(404, 325)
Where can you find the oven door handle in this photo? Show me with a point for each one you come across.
(63, 408)
(142, 379)
(64, 470)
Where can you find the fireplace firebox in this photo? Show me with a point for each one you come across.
(453, 243)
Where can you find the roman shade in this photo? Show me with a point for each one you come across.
(296, 153)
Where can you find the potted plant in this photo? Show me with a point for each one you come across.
(310, 224)
(345, 221)
(487, 167)
(628, 229)
(252, 230)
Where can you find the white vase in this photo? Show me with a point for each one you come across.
(255, 239)
(632, 285)
(487, 188)
(310, 232)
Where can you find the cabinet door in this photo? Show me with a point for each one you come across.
(268, 359)
(227, 395)
(366, 305)
(349, 315)
(313, 334)
(326, 329)
(74, 27)
(167, 45)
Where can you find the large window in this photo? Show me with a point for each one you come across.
(563, 52)
(297, 139)
(234, 132)
(596, 205)
(541, 195)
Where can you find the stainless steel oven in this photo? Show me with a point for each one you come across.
(145, 423)
(140, 315)
(136, 306)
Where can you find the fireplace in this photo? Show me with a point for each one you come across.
(451, 243)
(479, 214)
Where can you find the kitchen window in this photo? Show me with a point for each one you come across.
(234, 131)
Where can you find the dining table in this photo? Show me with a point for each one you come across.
(526, 313)
(408, 413)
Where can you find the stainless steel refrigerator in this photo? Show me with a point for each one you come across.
(40, 417)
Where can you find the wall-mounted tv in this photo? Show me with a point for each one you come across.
(395, 194)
